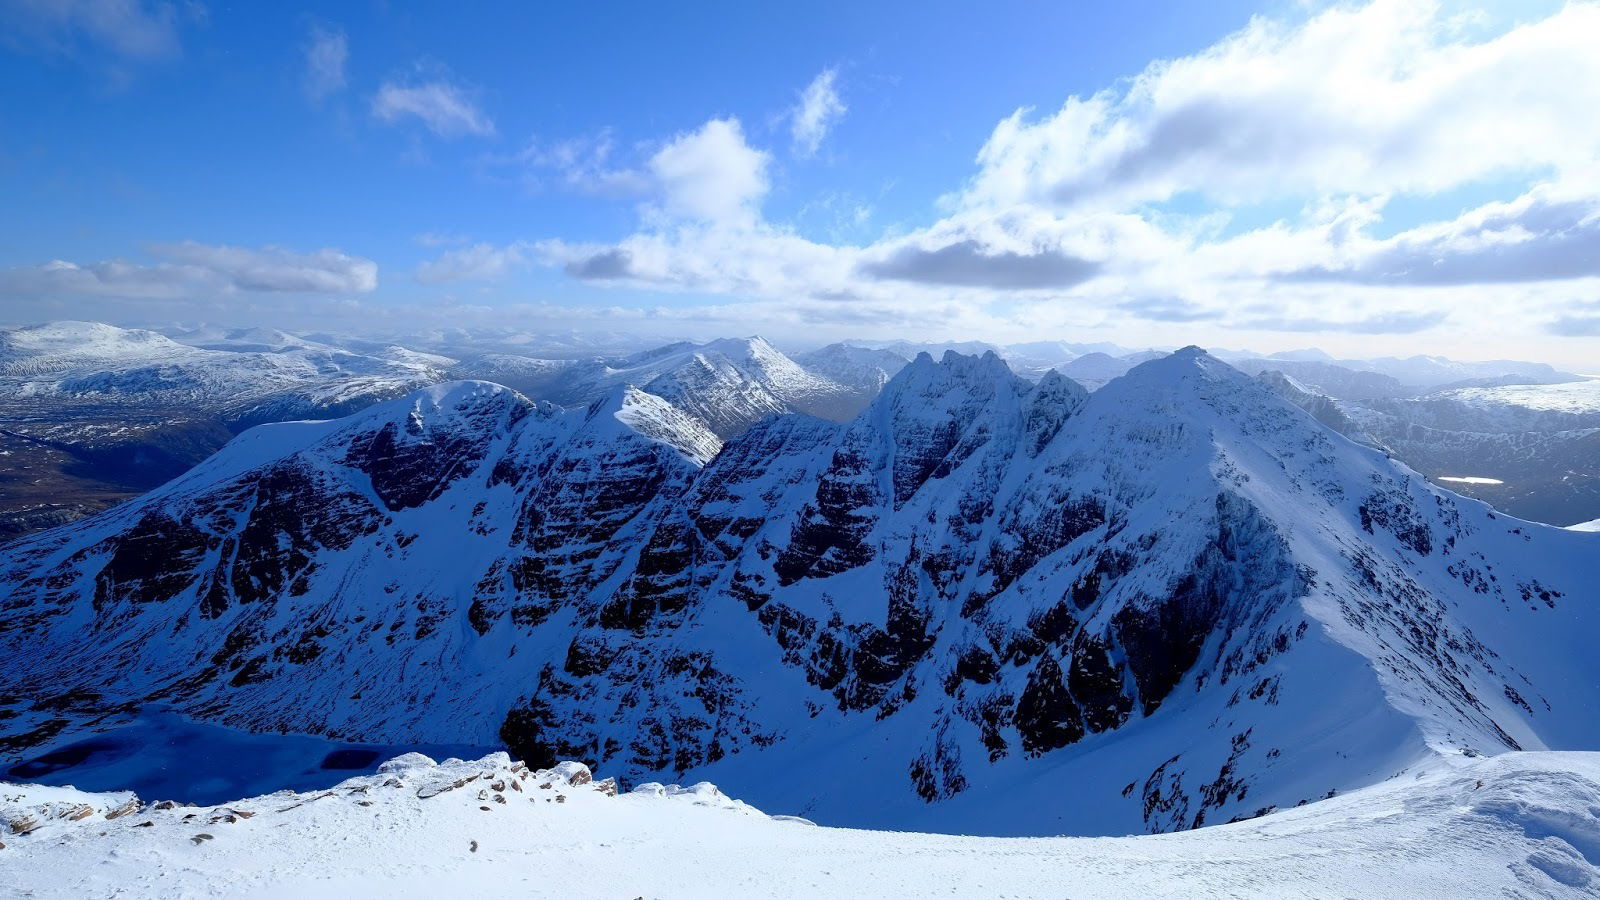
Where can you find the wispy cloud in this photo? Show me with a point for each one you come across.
(194, 269)
(817, 112)
(583, 164)
(445, 108)
(478, 262)
(1551, 233)
(1382, 323)
(326, 52)
(107, 33)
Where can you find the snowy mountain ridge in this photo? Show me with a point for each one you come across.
(1174, 602)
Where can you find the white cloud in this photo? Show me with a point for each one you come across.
(711, 175)
(326, 52)
(1376, 99)
(1550, 233)
(582, 164)
(443, 107)
(276, 269)
(817, 112)
(479, 262)
(193, 269)
(1343, 113)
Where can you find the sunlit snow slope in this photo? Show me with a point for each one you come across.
(1519, 825)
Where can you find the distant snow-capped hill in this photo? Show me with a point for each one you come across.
(64, 347)
(1579, 398)
(90, 362)
(1174, 602)
(1327, 378)
(863, 370)
(1429, 372)
(1094, 369)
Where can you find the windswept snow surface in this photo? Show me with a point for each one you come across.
(1517, 825)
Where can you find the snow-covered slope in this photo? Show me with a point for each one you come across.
(64, 346)
(1519, 825)
(1174, 602)
(1577, 398)
(863, 370)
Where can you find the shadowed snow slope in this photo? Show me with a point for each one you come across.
(1519, 825)
(990, 606)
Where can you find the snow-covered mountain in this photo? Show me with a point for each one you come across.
(237, 373)
(83, 399)
(1174, 602)
(1393, 376)
(1094, 369)
(1428, 372)
(1518, 825)
(728, 384)
(862, 370)
(1327, 378)
(91, 414)
(858, 363)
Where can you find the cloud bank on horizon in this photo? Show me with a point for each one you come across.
(1395, 173)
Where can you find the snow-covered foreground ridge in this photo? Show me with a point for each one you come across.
(1517, 825)
(1002, 607)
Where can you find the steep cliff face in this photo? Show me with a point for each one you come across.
(1175, 602)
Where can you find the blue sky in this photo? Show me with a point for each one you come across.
(1242, 174)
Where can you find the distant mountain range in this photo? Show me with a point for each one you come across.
(94, 414)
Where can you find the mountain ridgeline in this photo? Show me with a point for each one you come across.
(987, 605)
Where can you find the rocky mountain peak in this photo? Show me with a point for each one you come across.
(656, 419)
(1173, 602)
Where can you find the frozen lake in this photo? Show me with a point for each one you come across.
(163, 756)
